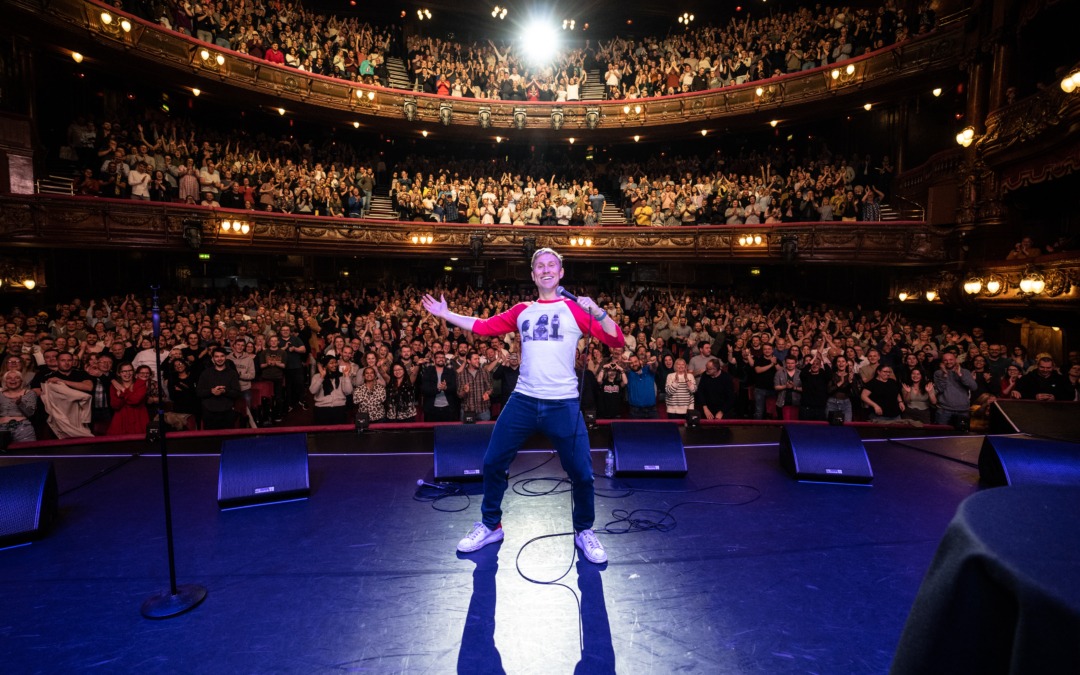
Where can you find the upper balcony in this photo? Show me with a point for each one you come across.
(869, 79)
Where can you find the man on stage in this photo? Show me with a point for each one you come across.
(546, 397)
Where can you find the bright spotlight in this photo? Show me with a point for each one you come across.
(540, 42)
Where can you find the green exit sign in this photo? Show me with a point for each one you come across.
(204, 256)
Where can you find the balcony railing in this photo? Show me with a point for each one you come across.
(80, 222)
(909, 62)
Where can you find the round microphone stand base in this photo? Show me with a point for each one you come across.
(165, 605)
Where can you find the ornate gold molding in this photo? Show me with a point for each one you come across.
(74, 222)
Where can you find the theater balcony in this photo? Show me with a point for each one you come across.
(885, 74)
(43, 221)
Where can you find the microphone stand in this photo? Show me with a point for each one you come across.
(176, 599)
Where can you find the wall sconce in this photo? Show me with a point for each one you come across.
(424, 239)
(973, 286)
(581, 241)
(446, 113)
(520, 118)
(557, 118)
(1070, 83)
(409, 108)
(931, 295)
(994, 286)
(499, 12)
(17, 275)
(1032, 283)
(902, 296)
(233, 226)
(483, 116)
(966, 136)
(750, 240)
(592, 117)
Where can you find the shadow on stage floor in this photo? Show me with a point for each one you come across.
(750, 570)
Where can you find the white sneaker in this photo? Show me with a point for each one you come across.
(479, 537)
(590, 547)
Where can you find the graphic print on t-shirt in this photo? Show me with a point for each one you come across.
(546, 329)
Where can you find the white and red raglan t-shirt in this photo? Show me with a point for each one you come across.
(550, 330)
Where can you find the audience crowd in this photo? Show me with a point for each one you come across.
(701, 57)
(252, 357)
(154, 157)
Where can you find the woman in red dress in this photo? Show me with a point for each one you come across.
(127, 395)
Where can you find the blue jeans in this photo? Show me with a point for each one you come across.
(761, 395)
(643, 412)
(562, 423)
(839, 404)
(942, 416)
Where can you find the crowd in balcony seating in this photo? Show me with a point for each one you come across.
(158, 158)
(701, 57)
(754, 187)
(161, 159)
(282, 33)
(88, 366)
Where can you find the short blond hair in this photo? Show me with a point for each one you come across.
(542, 251)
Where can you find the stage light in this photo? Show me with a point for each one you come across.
(540, 42)
(592, 118)
(476, 244)
(557, 118)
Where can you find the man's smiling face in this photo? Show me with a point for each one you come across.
(547, 271)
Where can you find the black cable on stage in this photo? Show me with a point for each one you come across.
(100, 474)
(434, 493)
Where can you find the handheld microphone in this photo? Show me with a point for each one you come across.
(421, 483)
(566, 294)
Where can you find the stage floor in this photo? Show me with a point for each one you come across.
(760, 573)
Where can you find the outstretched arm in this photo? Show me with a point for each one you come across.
(439, 309)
